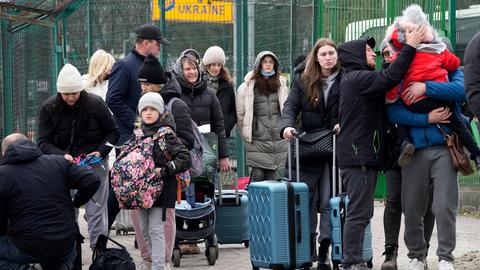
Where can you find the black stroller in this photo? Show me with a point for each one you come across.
(202, 217)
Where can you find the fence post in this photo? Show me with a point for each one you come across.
(7, 79)
(239, 41)
(452, 23)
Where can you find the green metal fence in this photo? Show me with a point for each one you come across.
(31, 55)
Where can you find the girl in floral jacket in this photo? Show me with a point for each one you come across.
(172, 160)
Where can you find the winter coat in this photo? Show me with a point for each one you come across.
(37, 202)
(171, 161)
(362, 104)
(180, 111)
(311, 118)
(226, 96)
(427, 65)
(421, 132)
(258, 119)
(472, 74)
(124, 92)
(100, 89)
(57, 127)
(204, 107)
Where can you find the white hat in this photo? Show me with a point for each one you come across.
(151, 99)
(214, 55)
(69, 80)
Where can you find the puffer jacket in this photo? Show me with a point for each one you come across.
(57, 128)
(258, 119)
(226, 96)
(204, 106)
(179, 111)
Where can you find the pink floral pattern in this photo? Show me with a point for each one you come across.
(133, 174)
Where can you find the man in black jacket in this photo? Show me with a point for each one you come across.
(472, 74)
(362, 122)
(37, 215)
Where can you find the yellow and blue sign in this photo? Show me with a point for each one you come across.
(215, 11)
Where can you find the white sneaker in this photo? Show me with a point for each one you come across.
(445, 265)
(416, 265)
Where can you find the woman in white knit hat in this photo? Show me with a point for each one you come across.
(220, 80)
(74, 123)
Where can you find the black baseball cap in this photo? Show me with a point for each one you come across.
(152, 32)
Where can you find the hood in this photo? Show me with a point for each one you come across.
(21, 151)
(353, 56)
(256, 64)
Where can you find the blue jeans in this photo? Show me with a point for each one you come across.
(190, 194)
(12, 258)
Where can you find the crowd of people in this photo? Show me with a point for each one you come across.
(387, 119)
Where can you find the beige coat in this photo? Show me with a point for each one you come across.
(244, 104)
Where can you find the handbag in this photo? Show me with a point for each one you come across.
(314, 144)
(460, 159)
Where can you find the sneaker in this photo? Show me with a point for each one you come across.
(416, 265)
(390, 258)
(407, 151)
(445, 265)
(144, 265)
(324, 262)
(168, 266)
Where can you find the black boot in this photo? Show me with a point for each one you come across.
(406, 152)
(390, 253)
(323, 259)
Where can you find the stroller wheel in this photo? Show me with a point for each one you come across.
(176, 257)
(212, 256)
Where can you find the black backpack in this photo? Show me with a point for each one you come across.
(104, 258)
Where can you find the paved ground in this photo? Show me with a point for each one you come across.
(237, 256)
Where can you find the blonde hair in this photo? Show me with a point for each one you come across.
(101, 64)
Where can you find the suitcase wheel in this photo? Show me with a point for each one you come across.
(176, 257)
(211, 255)
(336, 266)
(255, 268)
(246, 243)
(370, 264)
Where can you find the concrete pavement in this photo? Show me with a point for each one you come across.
(237, 256)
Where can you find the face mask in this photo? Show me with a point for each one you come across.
(267, 74)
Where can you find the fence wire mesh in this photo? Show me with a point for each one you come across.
(30, 58)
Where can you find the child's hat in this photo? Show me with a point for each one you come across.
(151, 71)
(153, 100)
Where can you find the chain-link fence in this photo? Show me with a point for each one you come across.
(31, 55)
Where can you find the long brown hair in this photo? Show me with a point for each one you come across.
(266, 85)
(223, 75)
(312, 76)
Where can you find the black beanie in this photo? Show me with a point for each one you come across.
(151, 71)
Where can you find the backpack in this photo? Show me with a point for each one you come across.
(196, 154)
(133, 173)
(104, 258)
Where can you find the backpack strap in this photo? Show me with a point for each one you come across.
(170, 103)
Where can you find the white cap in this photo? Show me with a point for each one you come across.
(69, 80)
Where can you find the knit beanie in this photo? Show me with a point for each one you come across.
(214, 55)
(153, 100)
(69, 80)
(151, 71)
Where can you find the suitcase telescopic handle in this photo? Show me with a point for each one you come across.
(297, 160)
(334, 167)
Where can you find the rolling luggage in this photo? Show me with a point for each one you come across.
(279, 223)
(338, 211)
(231, 210)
